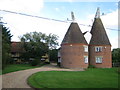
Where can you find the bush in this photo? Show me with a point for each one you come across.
(42, 63)
(35, 62)
(47, 62)
(53, 55)
(11, 60)
(91, 66)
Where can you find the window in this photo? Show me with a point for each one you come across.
(85, 48)
(98, 49)
(59, 60)
(98, 59)
(86, 59)
(59, 55)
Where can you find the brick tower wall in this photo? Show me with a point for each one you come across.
(72, 56)
(105, 53)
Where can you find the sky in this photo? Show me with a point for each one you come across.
(84, 13)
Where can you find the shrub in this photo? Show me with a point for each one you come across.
(53, 55)
(35, 62)
(91, 66)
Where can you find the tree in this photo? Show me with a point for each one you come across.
(37, 44)
(6, 45)
(116, 55)
(54, 55)
(51, 41)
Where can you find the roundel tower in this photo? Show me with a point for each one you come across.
(74, 48)
(99, 46)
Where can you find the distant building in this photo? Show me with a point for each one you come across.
(16, 50)
(74, 48)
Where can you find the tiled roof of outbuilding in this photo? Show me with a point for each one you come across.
(16, 47)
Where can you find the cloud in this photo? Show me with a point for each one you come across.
(119, 40)
(23, 24)
(20, 24)
(114, 42)
(26, 6)
(57, 9)
(109, 20)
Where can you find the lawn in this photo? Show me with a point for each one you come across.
(91, 78)
(17, 67)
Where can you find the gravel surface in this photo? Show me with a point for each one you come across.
(19, 79)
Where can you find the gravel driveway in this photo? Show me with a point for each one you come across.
(19, 79)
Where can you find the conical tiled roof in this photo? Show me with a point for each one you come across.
(74, 35)
(99, 36)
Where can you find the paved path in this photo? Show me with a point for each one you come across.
(19, 79)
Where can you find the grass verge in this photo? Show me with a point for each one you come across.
(18, 67)
(91, 78)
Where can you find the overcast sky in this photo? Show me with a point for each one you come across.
(84, 13)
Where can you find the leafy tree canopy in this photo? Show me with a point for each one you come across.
(50, 40)
(6, 45)
(116, 55)
(37, 44)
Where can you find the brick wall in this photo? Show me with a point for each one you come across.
(105, 53)
(72, 56)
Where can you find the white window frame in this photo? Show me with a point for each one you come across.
(59, 60)
(98, 49)
(85, 48)
(86, 59)
(59, 54)
(98, 59)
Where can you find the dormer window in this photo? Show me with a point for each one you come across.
(98, 48)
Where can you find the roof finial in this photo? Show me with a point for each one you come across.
(73, 17)
(97, 13)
